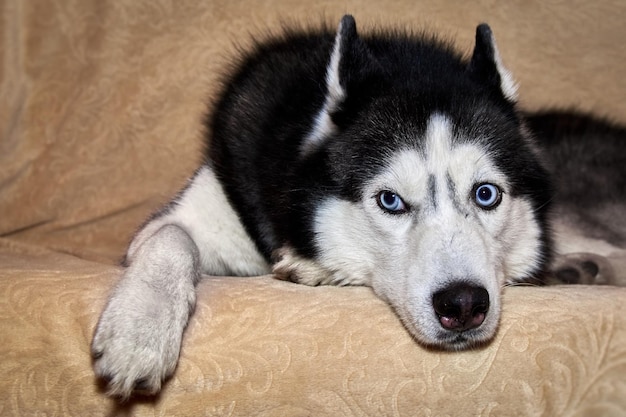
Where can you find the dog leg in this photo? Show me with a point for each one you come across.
(137, 341)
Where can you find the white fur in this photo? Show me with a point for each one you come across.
(205, 213)
(508, 85)
(137, 340)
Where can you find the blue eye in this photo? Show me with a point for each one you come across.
(487, 196)
(391, 202)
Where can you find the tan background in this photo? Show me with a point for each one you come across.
(102, 101)
(101, 105)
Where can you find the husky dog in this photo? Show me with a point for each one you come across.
(385, 160)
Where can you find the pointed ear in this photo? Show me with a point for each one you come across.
(337, 71)
(486, 64)
(346, 61)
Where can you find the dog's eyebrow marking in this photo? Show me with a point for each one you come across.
(432, 190)
(454, 197)
(451, 186)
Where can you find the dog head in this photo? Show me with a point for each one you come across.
(438, 198)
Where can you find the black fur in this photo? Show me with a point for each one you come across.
(587, 159)
(394, 82)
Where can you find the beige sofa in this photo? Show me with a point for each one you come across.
(101, 105)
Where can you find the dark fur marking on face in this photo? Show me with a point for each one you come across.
(454, 197)
(432, 190)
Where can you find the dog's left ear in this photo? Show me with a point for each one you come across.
(338, 70)
(486, 64)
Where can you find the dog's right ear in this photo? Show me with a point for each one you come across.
(350, 62)
(486, 64)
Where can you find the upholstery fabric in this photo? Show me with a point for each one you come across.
(258, 346)
(101, 121)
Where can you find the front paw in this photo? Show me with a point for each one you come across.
(137, 342)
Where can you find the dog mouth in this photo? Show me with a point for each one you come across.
(434, 336)
(455, 341)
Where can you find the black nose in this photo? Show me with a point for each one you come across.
(461, 306)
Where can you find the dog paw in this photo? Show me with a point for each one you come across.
(582, 268)
(289, 266)
(136, 343)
